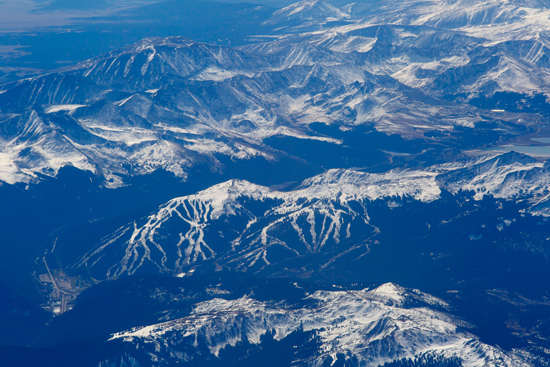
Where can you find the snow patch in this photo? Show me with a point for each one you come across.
(64, 107)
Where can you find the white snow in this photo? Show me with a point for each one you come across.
(64, 107)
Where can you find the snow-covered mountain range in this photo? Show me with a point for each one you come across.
(248, 227)
(366, 327)
(174, 104)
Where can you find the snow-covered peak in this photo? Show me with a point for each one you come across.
(348, 184)
(222, 198)
(144, 45)
(393, 294)
(312, 9)
(390, 291)
(306, 10)
(511, 175)
(174, 42)
(482, 18)
(152, 63)
(536, 4)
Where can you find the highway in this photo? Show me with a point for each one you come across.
(65, 295)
